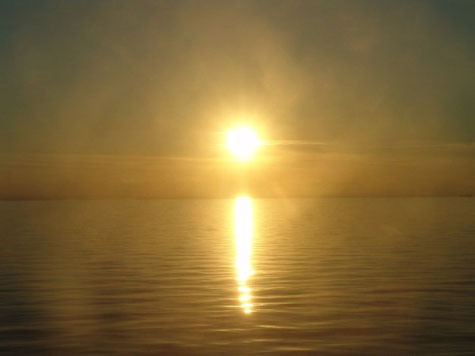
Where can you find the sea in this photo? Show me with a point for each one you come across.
(242, 276)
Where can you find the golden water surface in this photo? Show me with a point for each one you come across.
(244, 276)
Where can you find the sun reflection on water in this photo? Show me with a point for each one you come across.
(243, 234)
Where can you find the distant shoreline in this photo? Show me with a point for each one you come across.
(233, 197)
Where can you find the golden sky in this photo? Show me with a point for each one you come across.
(131, 99)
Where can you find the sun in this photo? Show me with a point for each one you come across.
(242, 142)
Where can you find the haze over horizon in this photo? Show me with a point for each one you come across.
(126, 99)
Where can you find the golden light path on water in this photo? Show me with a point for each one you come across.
(243, 229)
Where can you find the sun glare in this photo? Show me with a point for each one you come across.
(242, 142)
(243, 232)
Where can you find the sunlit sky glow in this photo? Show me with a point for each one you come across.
(130, 99)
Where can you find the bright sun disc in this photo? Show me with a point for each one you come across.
(242, 142)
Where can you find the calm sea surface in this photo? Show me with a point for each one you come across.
(329, 276)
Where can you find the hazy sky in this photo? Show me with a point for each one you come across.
(130, 98)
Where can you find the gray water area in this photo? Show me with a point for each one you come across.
(335, 276)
